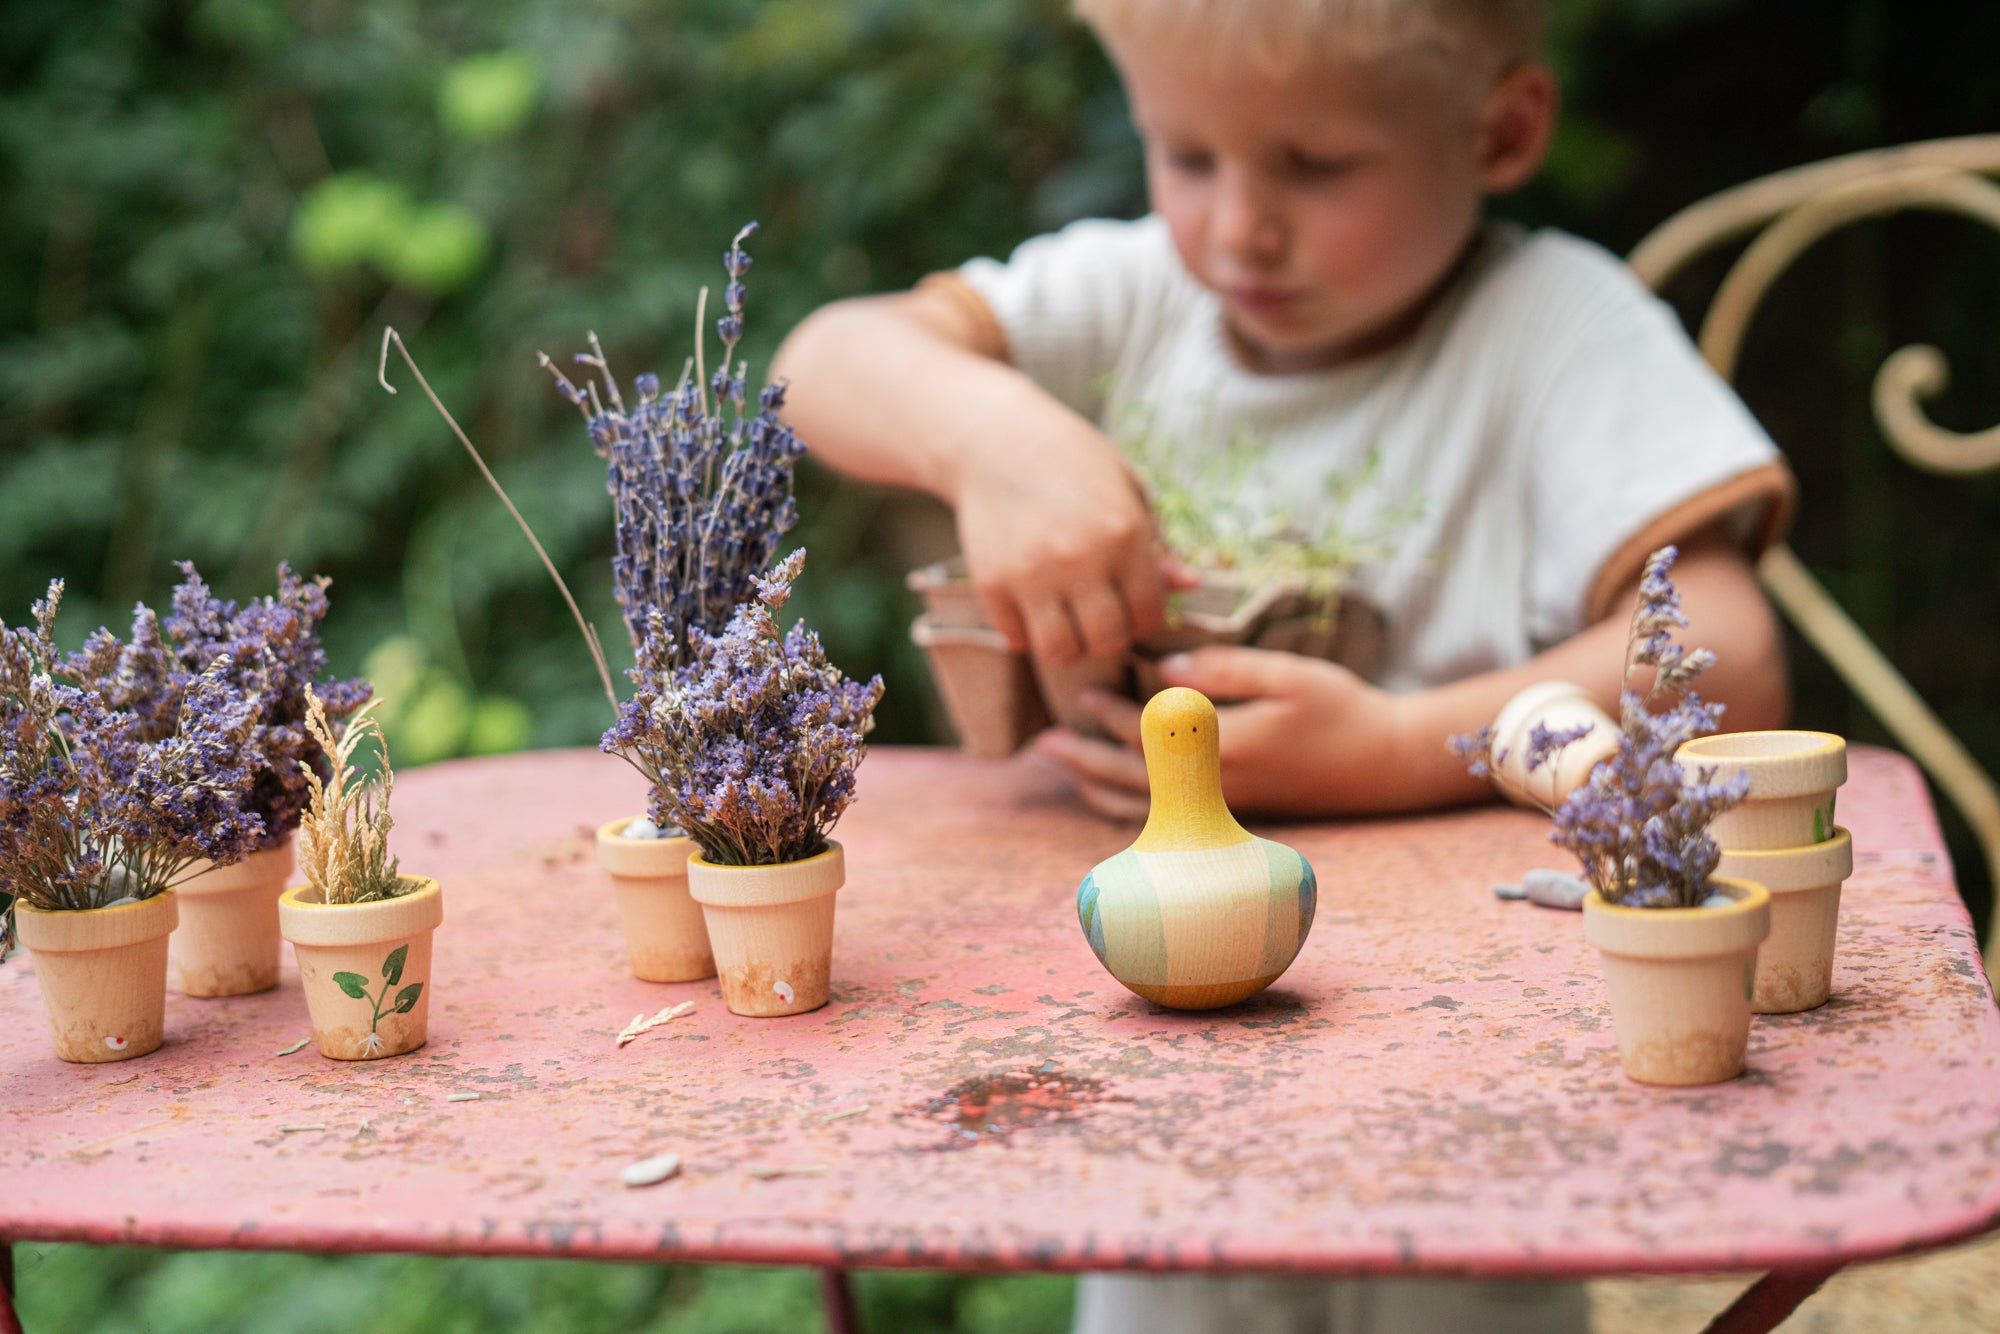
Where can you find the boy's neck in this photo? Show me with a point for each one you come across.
(1372, 342)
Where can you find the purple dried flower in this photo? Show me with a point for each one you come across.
(115, 774)
(274, 646)
(701, 484)
(1639, 823)
(750, 738)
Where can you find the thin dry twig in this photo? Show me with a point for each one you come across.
(295, 1047)
(463, 1097)
(642, 1023)
(293, 1130)
(590, 638)
(772, 1173)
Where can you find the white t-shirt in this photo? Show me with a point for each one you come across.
(1550, 415)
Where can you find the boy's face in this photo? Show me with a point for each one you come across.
(1322, 207)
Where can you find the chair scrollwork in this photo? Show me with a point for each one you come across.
(1789, 213)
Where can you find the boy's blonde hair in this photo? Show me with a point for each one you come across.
(1282, 34)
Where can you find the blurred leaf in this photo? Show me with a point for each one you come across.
(347, 220)
(437, 249)
(498, 725)
(491, 95)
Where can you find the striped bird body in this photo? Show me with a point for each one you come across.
(1199, 928)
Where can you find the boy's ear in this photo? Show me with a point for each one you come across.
(1515, 127)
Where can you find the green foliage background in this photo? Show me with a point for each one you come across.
(209, 210)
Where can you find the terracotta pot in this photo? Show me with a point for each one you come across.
(103, 974)
(227, 942)
(664, 932)
(366, 968)
(1795, 966)
(989, 692)
(772, 929)
(1680, 981)
(1792, 780)
(1557, 705)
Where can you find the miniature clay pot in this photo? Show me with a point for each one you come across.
(989, 692)
(103, 975)
(1795, 966)
(1680, 981)
(1558, 706)
(772, 929)
(664, 932)
(1198, 913)
(366, 968)
(227, 943)
(1792, 780)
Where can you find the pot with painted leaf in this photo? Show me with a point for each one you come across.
(361, 929)
(1794, 780)
(1199, 912)
(1795, 966)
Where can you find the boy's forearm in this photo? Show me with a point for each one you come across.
(884, 389)
(1727, 613)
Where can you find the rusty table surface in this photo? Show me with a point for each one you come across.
(1432, 1088)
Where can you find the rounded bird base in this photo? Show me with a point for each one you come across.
(1202, 995)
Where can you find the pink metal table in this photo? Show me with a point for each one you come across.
(1433, 1088)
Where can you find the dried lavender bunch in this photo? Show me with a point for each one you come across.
(1639, 824)
(702, 485)
(344, 834)
(109, 789)
(750, 739)
(275, 653)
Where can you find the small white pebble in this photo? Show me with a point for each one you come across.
(641, 828)
(1718, 900)
(1509, 892)
(1555, 889)
(652, 1171)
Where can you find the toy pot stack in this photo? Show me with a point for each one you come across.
(1680, 982)
(772, 929)
(1784, 838)
(227, 940)
(664, 932)
(1198, 913)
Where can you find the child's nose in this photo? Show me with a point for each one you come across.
(1248, 224)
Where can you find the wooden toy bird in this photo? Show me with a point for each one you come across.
(1198, 912)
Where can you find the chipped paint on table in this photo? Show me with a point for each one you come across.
(1433, 1087)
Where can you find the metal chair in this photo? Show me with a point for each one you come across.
(1790, 212)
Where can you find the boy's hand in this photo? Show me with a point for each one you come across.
(1301, 737)
(1059, 540)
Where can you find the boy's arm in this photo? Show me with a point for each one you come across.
(1312, 739)
(914, 390)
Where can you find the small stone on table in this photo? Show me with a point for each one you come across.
(651, 1171)
(1509, 892)
(1555, 889)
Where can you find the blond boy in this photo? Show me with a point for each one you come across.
(1318, 171)
(1318, 270)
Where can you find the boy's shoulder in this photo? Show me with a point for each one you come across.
(1551, 285)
